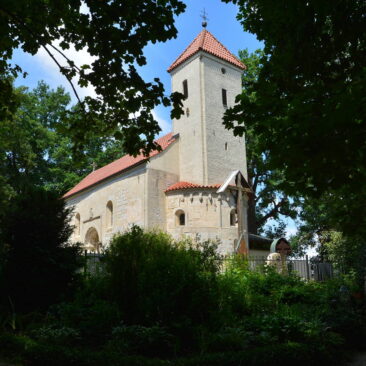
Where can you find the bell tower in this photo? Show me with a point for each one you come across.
(209, 76)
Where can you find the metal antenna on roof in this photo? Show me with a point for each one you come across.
(204, 17)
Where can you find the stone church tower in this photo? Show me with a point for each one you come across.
(183, 189)
(210, 78)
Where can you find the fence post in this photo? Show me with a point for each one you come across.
(307, 267)
(85, 262)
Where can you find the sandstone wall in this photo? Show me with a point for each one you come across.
(207, 216)
(162, 172)
(208, 152)
(189, 126)
(225, 152)
(126, 192)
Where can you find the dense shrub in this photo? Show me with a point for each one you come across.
(40, 268)
(91, 314)
(278, 308)
(163, 303)
(13, 347)
(152, 341)
(155, 280)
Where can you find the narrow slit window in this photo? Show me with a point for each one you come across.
(180, 218)
(224, 97)
(233, 218)
(185, 89)
(77, 224)
(109, 218)
(225, 145)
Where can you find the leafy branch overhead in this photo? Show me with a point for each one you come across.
(269, 202)
(34, 153)
(114, 33)
(309, 107)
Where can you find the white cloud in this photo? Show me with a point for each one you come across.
(165, 125)
(80, 58)
(291, 230)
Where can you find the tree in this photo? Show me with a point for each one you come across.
(39, 267)
(115, 33)
(34, 153)
(269, 201)
(317, 229)
(36, 165)
(309, 107)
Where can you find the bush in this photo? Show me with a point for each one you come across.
(93, 319)
(152, 341)
(57, 335)
(40, 268)
(13, 347)
(162, 303)
(155, 280)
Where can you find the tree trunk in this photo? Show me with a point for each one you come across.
(252, 222)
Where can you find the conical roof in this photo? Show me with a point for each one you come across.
(206, 42)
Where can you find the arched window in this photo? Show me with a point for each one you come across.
(77, 224)
(92, 243)
(109, 214)
(180, 218)
(233, 217)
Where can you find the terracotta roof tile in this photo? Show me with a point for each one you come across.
(117, 166)
(186, 185)
(205, 41)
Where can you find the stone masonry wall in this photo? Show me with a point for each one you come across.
(225, 152)
(126, 192)
(207, 216)
(189, 126)
(162, 172)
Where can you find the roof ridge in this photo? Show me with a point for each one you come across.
(119, 165)
(238, 59)
(140, 152)
(205, 41)
(187, 185)
(185, 50)
(204, 32)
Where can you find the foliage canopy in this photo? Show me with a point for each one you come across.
(309, 107)
(270, 202)
(38, 267)
(34, 153)
(115, 33)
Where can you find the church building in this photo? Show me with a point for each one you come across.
(196, 185)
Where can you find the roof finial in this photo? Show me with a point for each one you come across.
(204, 17)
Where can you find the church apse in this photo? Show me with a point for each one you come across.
(202, 214)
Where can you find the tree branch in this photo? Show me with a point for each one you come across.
(20, 23)
(272, 212)
(67, 77)
(66, 58)
(255, 183)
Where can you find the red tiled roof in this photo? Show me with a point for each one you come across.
(117, 166)
(186, 185)
(205, 41)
